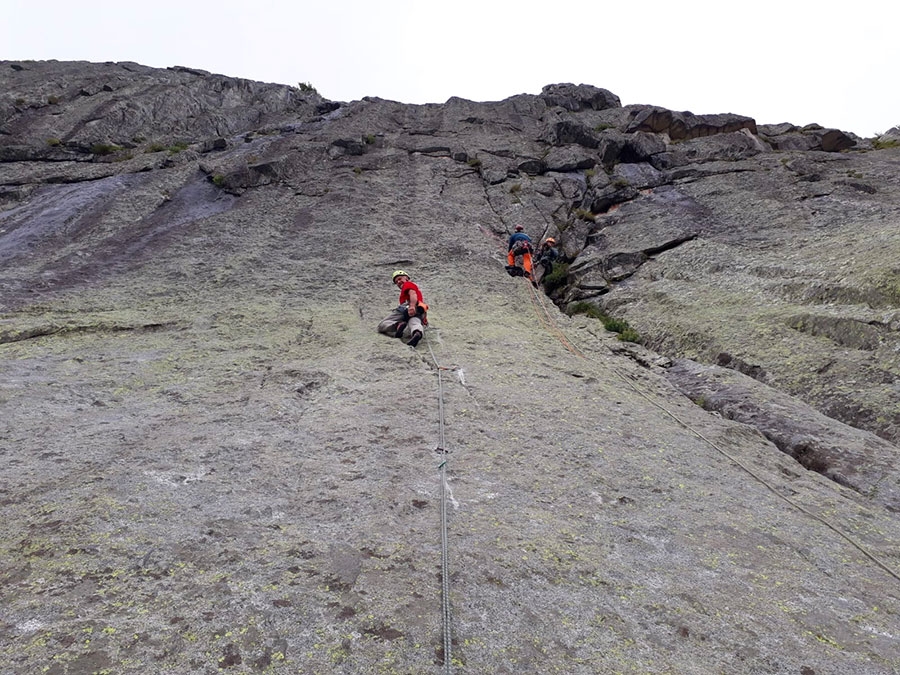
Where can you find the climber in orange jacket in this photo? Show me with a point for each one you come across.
(410, 316)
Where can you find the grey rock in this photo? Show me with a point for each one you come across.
(211, 460)
(685, 125)
(566, 132)
(854, 458)
(892, 134)
(575, 98)
(568, 159)
(725, 146)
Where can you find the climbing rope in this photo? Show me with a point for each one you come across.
(547, 321)
(445, 554)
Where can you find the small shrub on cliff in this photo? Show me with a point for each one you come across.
(104, 148)
(175, 148)
(474, 162)
(556, 278)
(218, 180)
(587, 309)
(886, 143)
(54, 142)
(620, 326)
(584, 214)
(306, 88)
(155, 147)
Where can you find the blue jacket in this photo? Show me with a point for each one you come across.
(517, 236)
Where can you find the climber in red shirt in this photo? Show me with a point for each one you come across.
(410, 317)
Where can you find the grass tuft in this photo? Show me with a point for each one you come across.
(625, 332)
(557, 278)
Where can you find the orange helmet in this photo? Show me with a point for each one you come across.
(550, 240)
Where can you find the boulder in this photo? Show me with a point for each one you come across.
(725, 146)
(575, 98)
(685, 125)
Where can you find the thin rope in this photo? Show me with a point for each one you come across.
(445, 555)
(572, 348)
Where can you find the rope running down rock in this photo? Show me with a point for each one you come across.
(547, 320)
(445, 555)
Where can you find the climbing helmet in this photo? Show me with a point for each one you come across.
(399, 273)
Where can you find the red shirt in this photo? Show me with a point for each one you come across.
(405, 291)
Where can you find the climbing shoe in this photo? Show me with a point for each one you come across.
(414, 340)
(400, 328)
(514, 271)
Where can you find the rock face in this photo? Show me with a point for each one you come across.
(212, 462)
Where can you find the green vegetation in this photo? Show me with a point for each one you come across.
(306, 88)
(515, 188)
(630, 335)
(604, 126)
(620, 182)
(474, 162)
(53, 100)
(369, 139)
(557, 278)
(218, 180)
(620, 326)
(177, 147)
(104, 148)
(357, 170)
(155, 147)
(54, 142)
(584, 214)
(878, 144)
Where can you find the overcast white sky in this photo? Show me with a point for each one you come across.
(777, 61)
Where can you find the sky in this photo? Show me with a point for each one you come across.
(778, 61)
